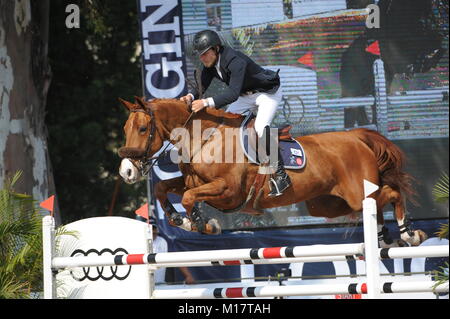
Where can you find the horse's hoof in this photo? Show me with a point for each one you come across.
(393, 243)
(401, 243)
(422, 236)
(175, 219)
(212, 227)
(418, 237)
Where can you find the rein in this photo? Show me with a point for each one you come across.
(144, 163)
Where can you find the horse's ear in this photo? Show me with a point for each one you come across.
(127, 104)
(140, 101)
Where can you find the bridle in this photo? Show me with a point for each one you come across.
(144, 164)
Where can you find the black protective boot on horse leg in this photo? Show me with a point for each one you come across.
(175, 218)
(202, 225)
(279, 181)
(197, 220)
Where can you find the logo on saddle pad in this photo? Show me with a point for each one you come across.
(291, 150)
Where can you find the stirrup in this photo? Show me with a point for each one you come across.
(275, 190)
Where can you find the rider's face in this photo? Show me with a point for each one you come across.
(209, 58)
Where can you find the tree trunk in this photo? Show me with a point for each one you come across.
(24, 81)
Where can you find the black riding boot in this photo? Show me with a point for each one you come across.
(279, 181)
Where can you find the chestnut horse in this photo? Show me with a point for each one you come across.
(331, 183)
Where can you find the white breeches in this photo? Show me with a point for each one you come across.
(264, 105)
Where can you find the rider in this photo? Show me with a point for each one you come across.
(250, 87)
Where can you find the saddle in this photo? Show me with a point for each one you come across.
(291, 150)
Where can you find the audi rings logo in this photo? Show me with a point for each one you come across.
(95, 273)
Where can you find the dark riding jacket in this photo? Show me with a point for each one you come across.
(242, 76)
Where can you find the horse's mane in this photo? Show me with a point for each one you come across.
(222, 113)
(209, 110)
(165, 102)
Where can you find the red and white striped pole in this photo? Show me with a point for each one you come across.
(383, 253)
(224, 255)
(296, 290)
(187, 258)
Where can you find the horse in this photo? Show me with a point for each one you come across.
(331, 183)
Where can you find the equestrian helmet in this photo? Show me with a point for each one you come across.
(204, 40)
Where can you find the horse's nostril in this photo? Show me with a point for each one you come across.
(129, 172)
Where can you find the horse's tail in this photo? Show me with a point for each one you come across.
(390, 160)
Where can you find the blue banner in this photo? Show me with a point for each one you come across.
(163, 58)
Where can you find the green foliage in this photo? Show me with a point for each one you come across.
(440, 190)
(440, 194)
(92, 66)
(441, 276)
(443, 231)
(20, 243)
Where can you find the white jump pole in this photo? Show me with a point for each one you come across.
(411, 286)
(48, 239)
(414, 252)
(371, 253)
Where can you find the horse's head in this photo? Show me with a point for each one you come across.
(142, 140)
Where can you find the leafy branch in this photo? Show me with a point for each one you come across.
(440, 194)
(20, 243)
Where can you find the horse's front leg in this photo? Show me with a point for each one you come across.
(176, 186)
(207, 192)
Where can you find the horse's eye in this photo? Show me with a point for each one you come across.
(142, 129)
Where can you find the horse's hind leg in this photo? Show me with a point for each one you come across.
(383, 197)
(384, 238)
(412, 237)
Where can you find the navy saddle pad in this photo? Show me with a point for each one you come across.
(291, 150)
